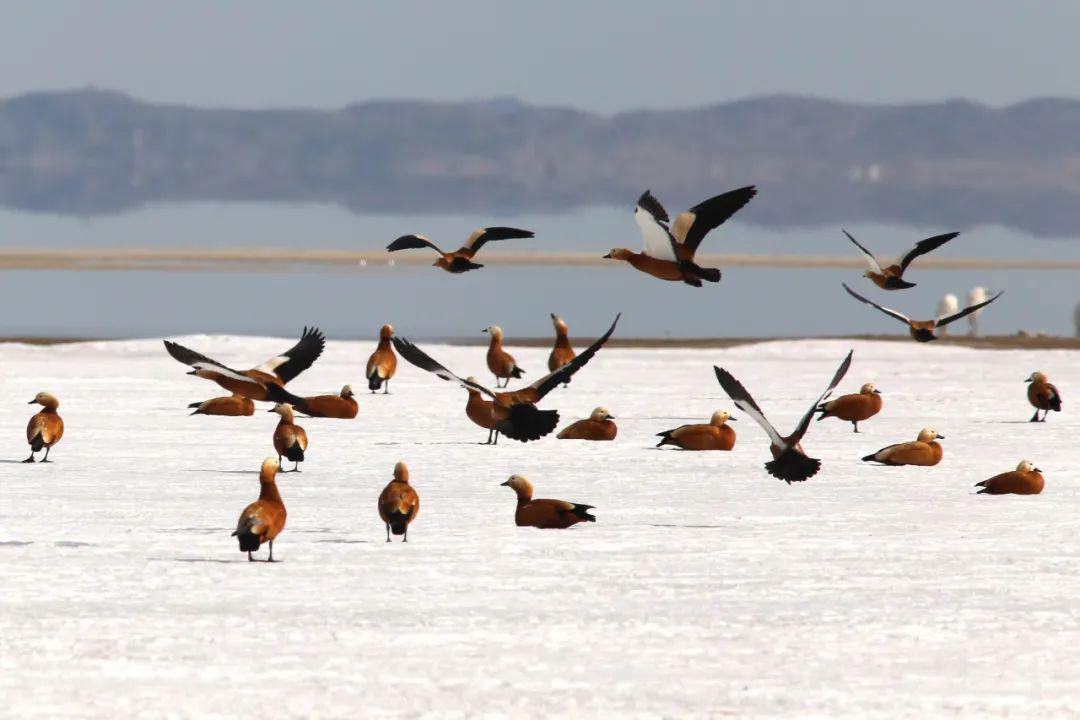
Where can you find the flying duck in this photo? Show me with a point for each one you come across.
(290, 439)
(45, 428)
(501, 363)
(1026, 479)
(264, 519)
(854, 408)
(924, 450)
(563, 352)
(461, 260)
(342, 406)
(382, 364)
(669, 252)
(600, 425)
(922, 330)
(232, 406)
(545, 514)
(1042, 396)
(265, 382)
(514, 412)
(713, 435)
(790, 463)
(892, 276)
(398, 503)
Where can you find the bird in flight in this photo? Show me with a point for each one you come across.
(461, 260)
(923, 330)
(891, 277)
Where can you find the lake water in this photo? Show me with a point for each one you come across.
(424, 302)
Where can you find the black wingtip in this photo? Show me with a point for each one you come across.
(653, 206)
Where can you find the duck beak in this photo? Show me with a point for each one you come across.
(608, 256)
(484, 330)
(32, 402)
(609, 417)
(192, 372)
(939, 437)
(504, 484)
(1028, 380)
(877, 392)
(1038, 471)
(270, 410)
(731, 419)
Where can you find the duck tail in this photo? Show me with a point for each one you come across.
(792, 466)
(516, 372)
(707, 274)
(374, 382)
(295, 453)
(665, 438)
(249, 541)
(399, 522)
(527, 422)
(582, 511)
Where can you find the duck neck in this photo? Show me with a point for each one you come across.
(268, 491)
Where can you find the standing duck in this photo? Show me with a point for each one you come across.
(891, 277)
(1042, 396)
(922, 330)
(1026, 479)
(563, 352)
(924, 450)
(714, 435)
(342, 406)
(382, 364)
(45, 428)
(480, 411)
(501, 363)
(461, 260)
(398, 503)
(264, 519)
(600, 425)
(545, 514)
(854, 408)
(232, 406)
(290, 439)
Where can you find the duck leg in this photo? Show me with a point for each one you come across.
(271, 558)
(296, 466)
(406, 538)
(250, 559)
(856, 424)
(46, 458)
(30, 459)
(386, 388)
(387, 532)
(1035, 417)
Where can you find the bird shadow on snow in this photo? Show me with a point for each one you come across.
(20, 462)
(693, 527)
(225, 472)
(215, 561)
(15, 543)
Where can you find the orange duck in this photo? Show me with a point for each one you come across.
(923, 330)
(501, 363)
(669, 253)
(398, 503)
(854, 408)
(290, 439)
(263, 520)
(45, 428)
(342, 406)
(545, 514)
(1042, 396)
(265, 382)
(1026, 479)
(480, 411)
(924, 450)
(891, 277)
(461, 260)
(714, 435)
(600, 425)
(563, 352)
(382, 364)
(790, 462)
(232, 406)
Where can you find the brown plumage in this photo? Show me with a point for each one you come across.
(600, 425)
(714, 435)
(1026, 479)
(891, 277)
(563, 352)
(923, 330)
(45, 428)
(342, 406)
(479, 411)
(545, 514)
(854, 408)
(265, 382)
(924, 450)
(231, 406)
(264, 519)
(1042, 396)
(669, 253)
(398, 503)
(460, 260)
(501, 363)
(382, 364)
(290, 439)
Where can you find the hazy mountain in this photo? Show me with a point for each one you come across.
(948, 164)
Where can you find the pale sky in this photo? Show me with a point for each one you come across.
(602, 56)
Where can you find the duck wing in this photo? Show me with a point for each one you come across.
(875, 266)
(841, 371)
(298, 358)
(652, 219)
(422, 360)
(413, 242)
(924, 246)
(745, 402)
(545, 384)
(891, 313)
(691, 227)
(485, 235)
(943, 321)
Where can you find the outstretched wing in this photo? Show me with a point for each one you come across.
(545, 384)
(875, 266)
(485, 235)
(422, 360)
(413, 242)
(924, 246)
(298, 358)
(691, 227)
(744, 402)
(943, 321)
(891, 313)
(190, 357)
(805, 422)
(652, 218)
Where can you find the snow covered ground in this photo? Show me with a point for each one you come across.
(706, 588)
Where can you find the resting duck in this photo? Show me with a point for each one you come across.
(382, 364)
(714, 435)
(924, 450)
(891, 277)
(45, 428)
(461, 260)
(342, 405)
(264, 519)
(398, 503)
(600, 425)
(854, 408)
(231, 406)
(290, 439)
(545, 514)
(1026, 479)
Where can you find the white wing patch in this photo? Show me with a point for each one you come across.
(273, 364)
(222, 370)
(760, 420)
(655, 234)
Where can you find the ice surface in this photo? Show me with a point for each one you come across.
(705, 588)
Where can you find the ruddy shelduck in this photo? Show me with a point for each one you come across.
(290, 439)
(501, 363)
(461, 260)
(563, 352)
(1026, 479)
(924, 450)
(1042, 396)
(480, 411)
(790, 462)
(514, 413)
(891, 277)
(45, 428)
(265, 382)
(342, 406)
(713, 435)
(854, 408)
(922, 330)
(398, 503)
(600, 425)
(263, 520)
(669, 252)
(545, 514)
(382, 364)
(231, 406)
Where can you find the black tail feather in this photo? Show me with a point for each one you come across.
(706, 274)
(793, 466)
(374, 382)
(36, 442)
(295, 453)
(516, 372)
(249, 541)
(665, 438)
(527, 422)
(582, 511)
(399, 522)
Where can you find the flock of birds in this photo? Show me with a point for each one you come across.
(668, 254)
